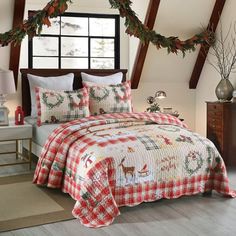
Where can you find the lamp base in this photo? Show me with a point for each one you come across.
(4, 111)
(2, 100)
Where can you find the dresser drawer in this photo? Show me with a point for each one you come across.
(215, 114)
(216, 133)
(215, 128)
(215, 107)
(217, 121)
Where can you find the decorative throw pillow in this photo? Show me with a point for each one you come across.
(61, 106)
(110, 79)
(109, 98)
(64, 82)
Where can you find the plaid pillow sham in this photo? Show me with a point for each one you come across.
(61, 106)
(113, 98)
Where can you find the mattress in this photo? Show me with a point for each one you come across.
(40, 134)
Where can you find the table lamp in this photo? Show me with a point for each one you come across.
(154, 107)
(158, 95)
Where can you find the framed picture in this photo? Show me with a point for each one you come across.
(4, 116)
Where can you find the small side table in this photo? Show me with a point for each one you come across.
(17, 133)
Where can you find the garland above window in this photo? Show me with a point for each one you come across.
(35, 22)
(134, 27)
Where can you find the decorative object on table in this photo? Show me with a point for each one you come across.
(3, 116)
(224, 50)
(234, 96)
(169, 110)
(19, 116)
(154, 107)
(224, 90)
(7, 86)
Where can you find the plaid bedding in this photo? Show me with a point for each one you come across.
(123, 159)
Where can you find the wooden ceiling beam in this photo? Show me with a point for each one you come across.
(202, 55)
(19, 9)
(142, 49)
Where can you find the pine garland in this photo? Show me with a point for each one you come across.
(173, 44)
(34, 24)
(134, 27)
(92, 94)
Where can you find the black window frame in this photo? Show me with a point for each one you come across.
(59, 36)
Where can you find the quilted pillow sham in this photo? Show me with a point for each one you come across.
(113, 98)
(63, 82)
(61, 106)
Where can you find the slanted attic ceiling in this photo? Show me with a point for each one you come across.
(182, 18)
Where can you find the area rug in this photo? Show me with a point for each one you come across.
(23, 204)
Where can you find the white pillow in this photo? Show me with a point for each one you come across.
(110, 79)
(63, 82)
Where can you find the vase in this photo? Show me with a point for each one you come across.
(224, 90)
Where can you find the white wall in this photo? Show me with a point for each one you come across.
(209, 77)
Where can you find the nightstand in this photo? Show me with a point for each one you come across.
(17, 133)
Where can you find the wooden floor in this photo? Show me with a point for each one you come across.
(194, 215)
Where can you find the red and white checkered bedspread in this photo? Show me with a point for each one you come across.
(113, 160)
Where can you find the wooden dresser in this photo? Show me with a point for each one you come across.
(221, 129)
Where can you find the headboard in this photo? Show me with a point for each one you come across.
(26, 99)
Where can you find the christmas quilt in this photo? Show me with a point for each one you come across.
(124, 159)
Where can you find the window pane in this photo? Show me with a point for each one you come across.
(54, 28)
(102, 48)
(102, 63)
(102, 27)
(45, 62)
(74, 26)
(45, 46)
(74, 47)
(77, 63)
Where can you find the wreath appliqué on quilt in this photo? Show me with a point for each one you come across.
(193, 162)
(169, 128)
(48, 97)
(104, 94)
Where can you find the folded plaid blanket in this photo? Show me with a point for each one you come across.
(114, 160)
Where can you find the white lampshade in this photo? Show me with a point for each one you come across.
(7, 83)
(160, 94)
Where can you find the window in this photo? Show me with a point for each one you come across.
(76, 40)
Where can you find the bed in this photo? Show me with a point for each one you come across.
(125, 158)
